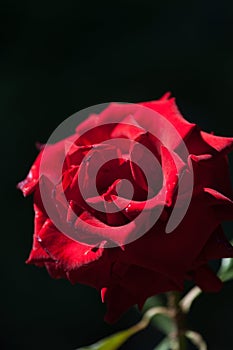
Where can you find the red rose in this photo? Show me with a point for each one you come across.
(92, 227)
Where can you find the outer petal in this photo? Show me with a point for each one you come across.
(221, 144)
(53, 157)
(113, 113)
(70, 254)
(178, 250)
(55, 270)
(134, 286)
(118, 301)
(167, 108)
(38, 255)
(27, 186)
(207, 173)
(200, 142)
(98, 273)
(217, 247)
(222, 205)
(206, 279)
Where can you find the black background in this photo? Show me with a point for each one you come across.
(57, 57)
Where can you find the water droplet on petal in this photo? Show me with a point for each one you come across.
(127, 208)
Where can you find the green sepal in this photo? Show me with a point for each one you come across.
(164, 323)
(163, 345)
(226, 270)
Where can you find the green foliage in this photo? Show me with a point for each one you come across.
(112, 342)
(226, 270)
(164, 345)
(156, 300)
(164, 323)
(161, 321)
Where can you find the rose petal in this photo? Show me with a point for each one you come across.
(70, 254)
(217, 247)
(130, 291)
(206, 279)
(221, 144)
(206, 173)
(55, 270)
(222, 205)
(167, 108)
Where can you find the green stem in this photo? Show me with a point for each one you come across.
(178, 339)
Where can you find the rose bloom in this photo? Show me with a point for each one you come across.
(101, 255)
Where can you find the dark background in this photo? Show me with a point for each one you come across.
(57, 57)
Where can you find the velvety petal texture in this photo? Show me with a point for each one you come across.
(104, 223)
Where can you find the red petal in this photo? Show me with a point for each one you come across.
(115, 309)
(207, 173)
(172, 167)
(128, 291)
(70, 254)
(38, 255)
(97, 273)
(55, 270)
(174, 253)
(206, 279)
(222, 205)
(113, 113)
(219, 143)
(90, 226)
(28, 185)
(201, 142)
(168, 109)
(217, 247)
